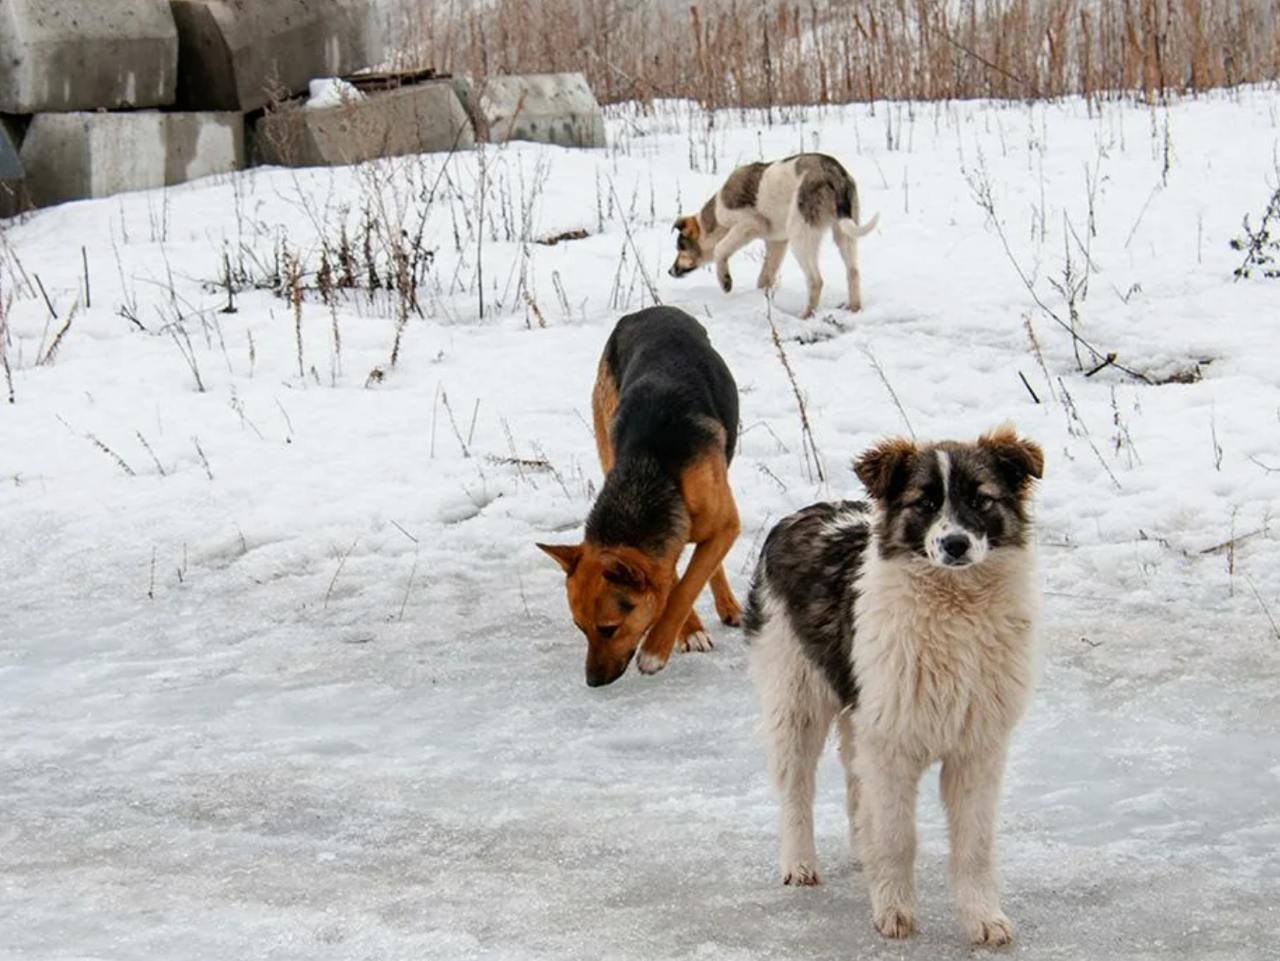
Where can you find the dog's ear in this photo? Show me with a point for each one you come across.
(687, 227)
(619, 572)
(566, 555)
(1019, 460)
(883, 469)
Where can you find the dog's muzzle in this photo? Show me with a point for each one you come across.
(955, 550)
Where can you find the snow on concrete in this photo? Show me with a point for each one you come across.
(329, 703)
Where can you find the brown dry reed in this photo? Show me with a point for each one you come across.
(743, 53)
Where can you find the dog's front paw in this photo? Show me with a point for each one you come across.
(726, 282)
(650, 663)
(766, 281)
(895, 922)
(995, 930)
(695, 641)
(801, 874)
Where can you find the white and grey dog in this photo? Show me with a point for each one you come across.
(790, 202)
(910, 624)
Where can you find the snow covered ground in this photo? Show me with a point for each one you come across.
(296, 684)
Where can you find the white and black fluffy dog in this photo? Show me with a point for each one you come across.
(910, 623)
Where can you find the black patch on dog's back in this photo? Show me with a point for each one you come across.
(639, 506)
(674, 391)
(810, 563)
(743, 185)
(826, 190)
(672, 388)
(707, 216)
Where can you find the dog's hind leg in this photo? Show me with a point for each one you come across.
(848, 247)
(774, 251)
(727, 606)
(848, 750)
(970, 791)
(796, 708)
(804, 245)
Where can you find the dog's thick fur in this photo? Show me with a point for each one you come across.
(910, 623)
(666, 423)
(788, 202)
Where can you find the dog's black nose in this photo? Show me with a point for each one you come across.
(955, 546)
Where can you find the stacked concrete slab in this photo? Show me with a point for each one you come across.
(80, 81)
(423, 118)
(556, 108)
(245, 54)
(86, 54)
(70, 156)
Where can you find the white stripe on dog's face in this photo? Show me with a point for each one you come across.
(948, 542)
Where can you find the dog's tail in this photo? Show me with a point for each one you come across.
(854, 231)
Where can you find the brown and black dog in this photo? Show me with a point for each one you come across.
(666, 422)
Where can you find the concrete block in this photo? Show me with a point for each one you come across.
(71, 156)
(423, 118)
(243, 54)
(554, 108)
(86, 54)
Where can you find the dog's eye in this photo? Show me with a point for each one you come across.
(981, 502)
(926, 505)
(606, 630)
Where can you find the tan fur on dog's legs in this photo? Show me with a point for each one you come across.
(848, 751)
(887, 834)
(704, 486)
(804, 244)
(734, 240)
(970, 791)
(727, 607)
(656, 649)
(774, 251)
(848, 247)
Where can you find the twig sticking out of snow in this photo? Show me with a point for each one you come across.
(154, 459)
(96, 442)
(1275, 628)
(204, 462)
(341, 564)
(893, 394)
(631, 241)
(51, 351)
(4, 347)
(812, 459)
(1073, 415)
